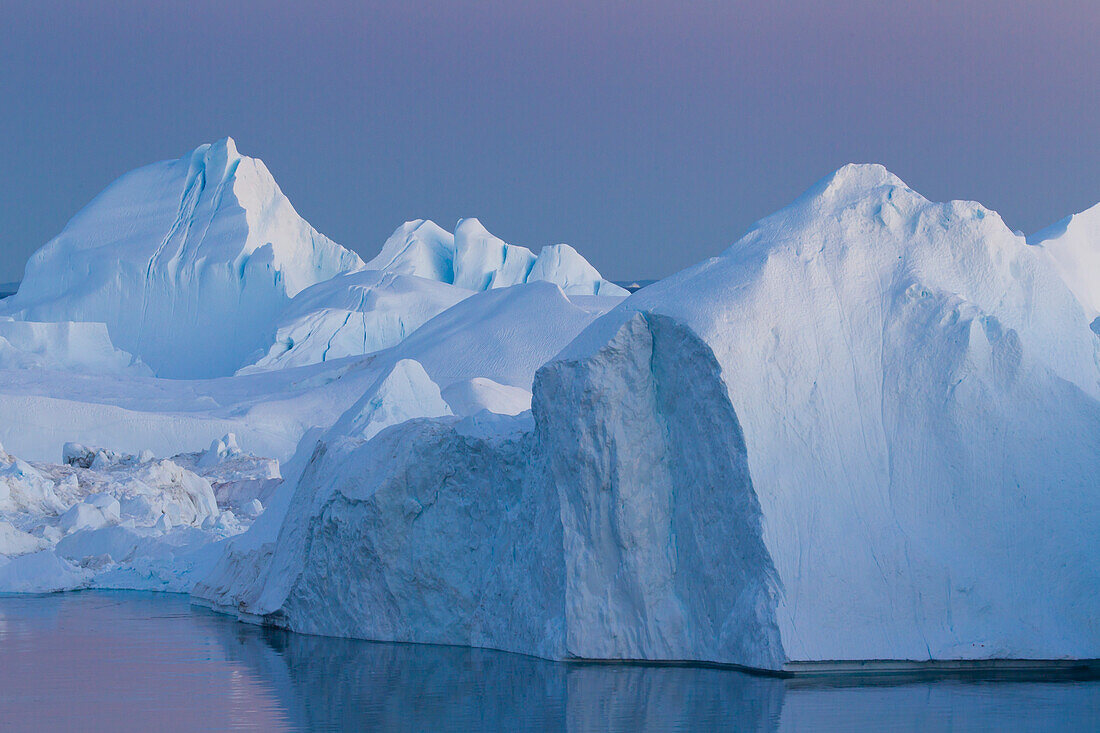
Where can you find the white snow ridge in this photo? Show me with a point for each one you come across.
(869, 430)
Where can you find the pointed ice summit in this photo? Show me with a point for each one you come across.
(1073, 245)
(474, 259)
(188, 262)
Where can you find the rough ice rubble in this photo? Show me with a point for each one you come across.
(111, 520)
(188, 262)
(869, 430)
(474, 259)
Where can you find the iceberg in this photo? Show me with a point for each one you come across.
(188, 262)
(200, 267)
(870, 430)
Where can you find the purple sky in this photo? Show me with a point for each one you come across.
(649, 134)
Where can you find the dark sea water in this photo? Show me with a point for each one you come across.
(143, 661)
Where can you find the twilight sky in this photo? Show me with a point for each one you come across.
(649, 134)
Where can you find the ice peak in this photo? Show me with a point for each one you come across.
(1084, 221)
(1073, 246)
(471, 229)
(475, 259)
(228, 144)
(226, 147)
(855, 179)
(402, 393)
(218, 159)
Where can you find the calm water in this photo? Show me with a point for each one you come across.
(141, 661)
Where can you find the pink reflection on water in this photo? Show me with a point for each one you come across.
(113, 669)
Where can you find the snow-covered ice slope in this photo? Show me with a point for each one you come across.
(869, 430)
(188, 262)
(474, 259)
(42, 410)
(1073, 244)
(501, 336)
(353, 314)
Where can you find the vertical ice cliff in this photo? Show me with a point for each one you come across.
(661, 527)
(188, 262)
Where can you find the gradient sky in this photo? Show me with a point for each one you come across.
(649, 134)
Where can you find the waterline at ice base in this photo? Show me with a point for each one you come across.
(868, 431)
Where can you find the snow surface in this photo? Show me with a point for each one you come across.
(869, 430)
(44, 410)
(503, 335)
(188, 262)
(474, 395)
